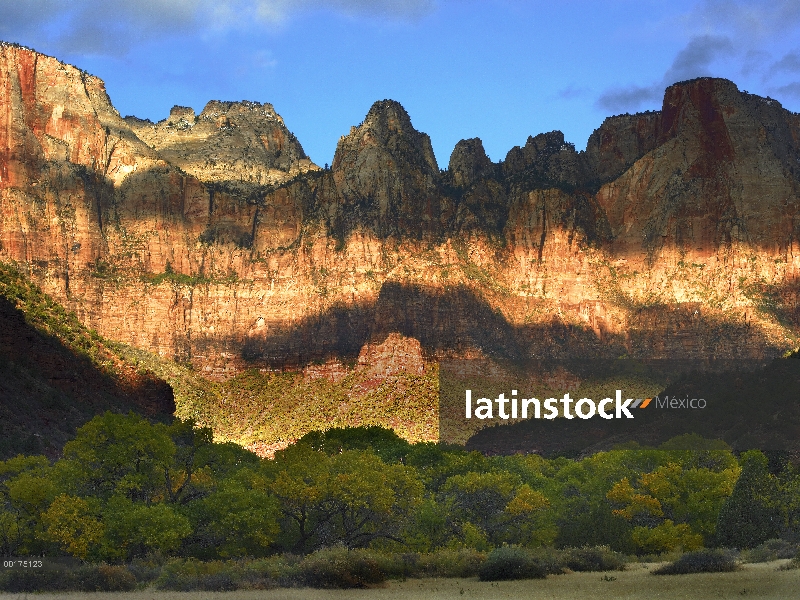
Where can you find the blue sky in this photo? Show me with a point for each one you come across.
(496, 69)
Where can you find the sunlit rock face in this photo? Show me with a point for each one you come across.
(212, 238)
(242, 144)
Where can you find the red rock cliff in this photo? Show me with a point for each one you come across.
(674, 232)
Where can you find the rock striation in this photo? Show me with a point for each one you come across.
(213, 239)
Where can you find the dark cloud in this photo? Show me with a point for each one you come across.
(619, 100)
(723, 33)
(791, 89)
(96, 27)
(696, 58)
(570, 92)
(747, 20)
(790, 63)
(19, 17)
(754, 61)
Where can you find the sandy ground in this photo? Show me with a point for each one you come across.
(754, 581)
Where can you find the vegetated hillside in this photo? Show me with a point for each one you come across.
(266, 411)
(55, 374)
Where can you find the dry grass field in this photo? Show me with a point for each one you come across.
(762, 580)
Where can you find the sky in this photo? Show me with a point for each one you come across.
(500, 70)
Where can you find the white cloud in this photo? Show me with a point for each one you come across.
(114, 26)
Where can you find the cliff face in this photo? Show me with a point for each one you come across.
(211, 238)
(724, 172)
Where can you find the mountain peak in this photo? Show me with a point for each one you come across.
(387, 128)
(469, 162)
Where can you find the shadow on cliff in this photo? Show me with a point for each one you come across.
(450, 321)
(47, 390)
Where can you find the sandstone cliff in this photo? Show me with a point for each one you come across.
(673, 233)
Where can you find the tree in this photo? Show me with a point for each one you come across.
(119, 454)
(27, 487)
(240, 518)
(136, 529)
(671, 506)
(382, 441)
(498, 506)
(370, 500)
(74, 523)
(352, 498)
(752, 514)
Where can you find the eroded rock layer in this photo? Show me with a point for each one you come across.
(213, 239)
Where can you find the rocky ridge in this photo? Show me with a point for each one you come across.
(673, 232)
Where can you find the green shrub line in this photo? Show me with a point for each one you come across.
(329, 568)
(342, 568)
(774, 549)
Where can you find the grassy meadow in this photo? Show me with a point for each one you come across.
(760, 580)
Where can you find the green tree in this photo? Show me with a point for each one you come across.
(382, 441)
(74, 523)
(370, 500)
(119, 454)
(352, 498)
(498, 506)
(240, 518)
(27, 487)
(135, 530)
(753, 513)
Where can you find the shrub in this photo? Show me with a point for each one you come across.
(770, 550)
(89, 578)
(270, 572)
(597, 558)
(449, 563)
(701, 561)
(398, 566)
(104, 578)
(339, 568)
(193, 575)
(791, 565)
(550, 559)
(509, 562)
(17, 581)
(145, 571)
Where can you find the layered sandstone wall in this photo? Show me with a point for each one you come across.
(212, 241)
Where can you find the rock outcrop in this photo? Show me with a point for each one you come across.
(211, 238)
(242, 144)
(385, 176)
(469, 163)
